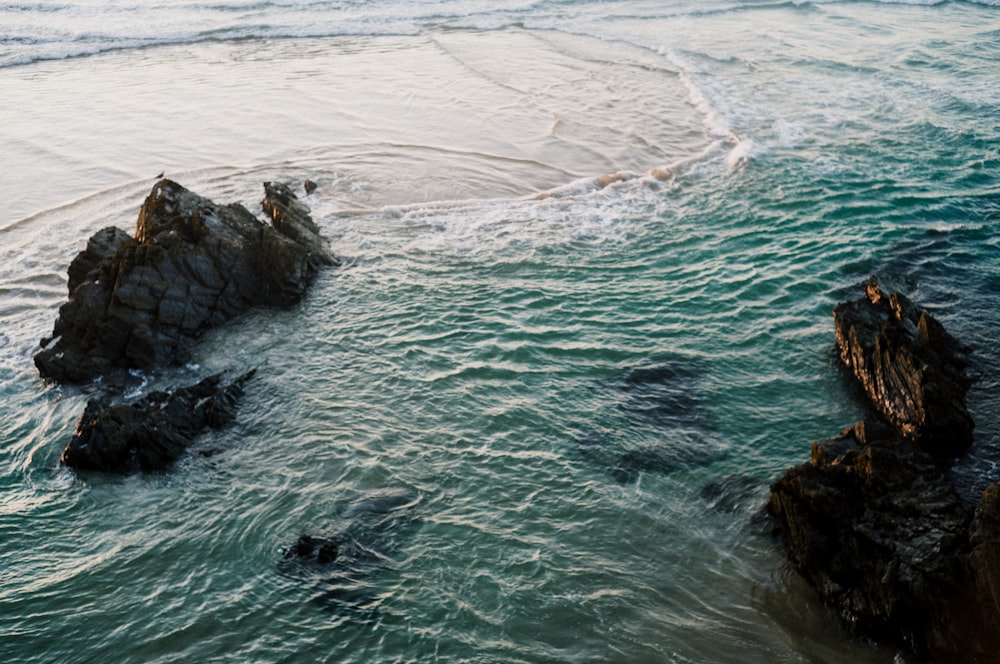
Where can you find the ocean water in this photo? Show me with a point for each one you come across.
(591, 252)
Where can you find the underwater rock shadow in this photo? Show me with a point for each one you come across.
(339, 562)
(662, 401)
(665, 393)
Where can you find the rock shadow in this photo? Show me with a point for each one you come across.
(660, 424)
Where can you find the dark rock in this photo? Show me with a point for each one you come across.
(879, 530)
(982, 611)
(291, 218)
(140, 303)
(339, 561)
(153, 432)
(309, 186)
(912, 369)
(100, 248)
(874, 521)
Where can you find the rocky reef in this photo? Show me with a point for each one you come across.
(140, 302)
(873, 521)
(151, 433)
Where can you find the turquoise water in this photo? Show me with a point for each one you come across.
(536, 204)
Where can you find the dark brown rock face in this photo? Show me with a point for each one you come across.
(873, 521)
(982, 611)
(876, 527)
(139, 303)
(911, 368)
(153, 432)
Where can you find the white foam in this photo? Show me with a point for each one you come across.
(716, 125)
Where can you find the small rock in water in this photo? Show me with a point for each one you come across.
(309, 186)
(338, 561)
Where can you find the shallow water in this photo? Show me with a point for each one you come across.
(552, 216)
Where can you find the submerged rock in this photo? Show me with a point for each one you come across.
(911, 368)
(138, 303)
(338, 561)
(663, 393)
(153, 432)
(734, 493)
(664, 457)
(661, 408)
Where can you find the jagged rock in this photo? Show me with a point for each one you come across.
(339, 561)
(101, 247)
(878, 529)
(291, 218)
(912, 369)
(153, 432)
(874, 521)
(139, 303)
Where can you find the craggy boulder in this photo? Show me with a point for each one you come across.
(874, 521)
(153, 432)
(139, 303)
(912, 369)
(877, 528)
(982, 611)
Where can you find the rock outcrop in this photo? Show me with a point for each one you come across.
(139, 303)
(153, 432)
(876, 527)
(912, 369)
(874, 521)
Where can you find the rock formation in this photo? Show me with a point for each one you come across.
(153, 432)
(913, 371)
(139, 303)
(338, 561)
(874, 521)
